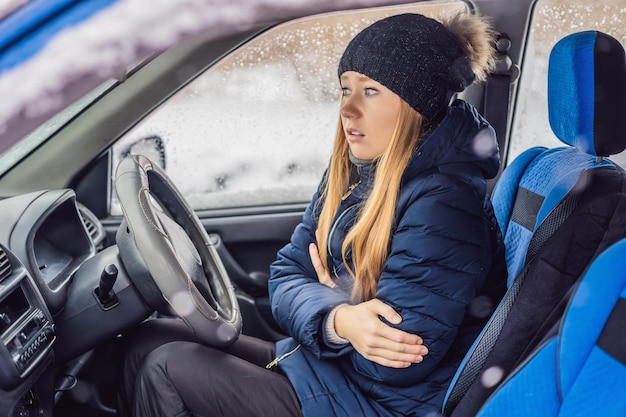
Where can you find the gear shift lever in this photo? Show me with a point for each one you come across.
(104, 293)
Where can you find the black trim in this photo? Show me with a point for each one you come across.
(609, 96)
(526, 207)
(613, 338)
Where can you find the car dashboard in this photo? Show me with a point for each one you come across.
(26, 327)
(52, 254)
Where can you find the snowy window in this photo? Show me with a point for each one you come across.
(257, 128)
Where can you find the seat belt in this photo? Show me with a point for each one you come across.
(498, 95)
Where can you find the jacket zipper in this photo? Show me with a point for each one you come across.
(334, 227)
(281, 357)
(352, 186)
(332, 231)
(350, 189)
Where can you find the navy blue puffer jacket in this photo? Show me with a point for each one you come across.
(445, 252)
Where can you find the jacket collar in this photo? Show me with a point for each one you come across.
(363, 175)
(463, 137)
(463, 141)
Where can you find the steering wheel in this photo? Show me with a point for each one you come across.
(169, 255)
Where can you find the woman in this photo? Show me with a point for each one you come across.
(396, 263)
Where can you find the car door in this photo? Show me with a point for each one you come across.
(247, 140)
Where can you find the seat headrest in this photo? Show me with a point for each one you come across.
(587, 92)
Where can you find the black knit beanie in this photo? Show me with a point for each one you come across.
(414, 56)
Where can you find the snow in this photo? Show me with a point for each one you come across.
(104, 46)
(8, 6)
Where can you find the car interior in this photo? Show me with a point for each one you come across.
(101, 224)
(545, 197)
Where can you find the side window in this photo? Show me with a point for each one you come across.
(258, 126)
(551, 21)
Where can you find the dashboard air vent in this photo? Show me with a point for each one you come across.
(92, 225)
(91, 228)
(5, 265)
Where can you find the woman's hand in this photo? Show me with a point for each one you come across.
(376, 341)
(361, 326)
(322, 274)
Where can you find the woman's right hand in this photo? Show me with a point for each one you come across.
(376, 341)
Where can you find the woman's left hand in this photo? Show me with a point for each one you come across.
(322, 273)
(375, 340)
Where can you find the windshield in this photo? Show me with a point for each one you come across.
(50, 127)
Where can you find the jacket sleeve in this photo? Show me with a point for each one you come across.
(440, 255)
(299, 301)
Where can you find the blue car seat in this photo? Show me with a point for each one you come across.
(557, 209)
(580, 369)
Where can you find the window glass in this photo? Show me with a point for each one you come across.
(551, 21)
(257, 128)
(26, 145)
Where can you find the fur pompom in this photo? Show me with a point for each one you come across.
(477, 37)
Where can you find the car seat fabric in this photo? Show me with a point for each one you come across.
(597, 315)
(538, 374)
(580, 369)
(544, 183)
(595, 222)
(586, 107)
(557, 209)
(585, 92)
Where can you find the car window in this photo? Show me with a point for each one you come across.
(23, 147)
(257, 127)
(551, 21)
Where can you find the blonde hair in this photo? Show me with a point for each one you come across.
(370, 237)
